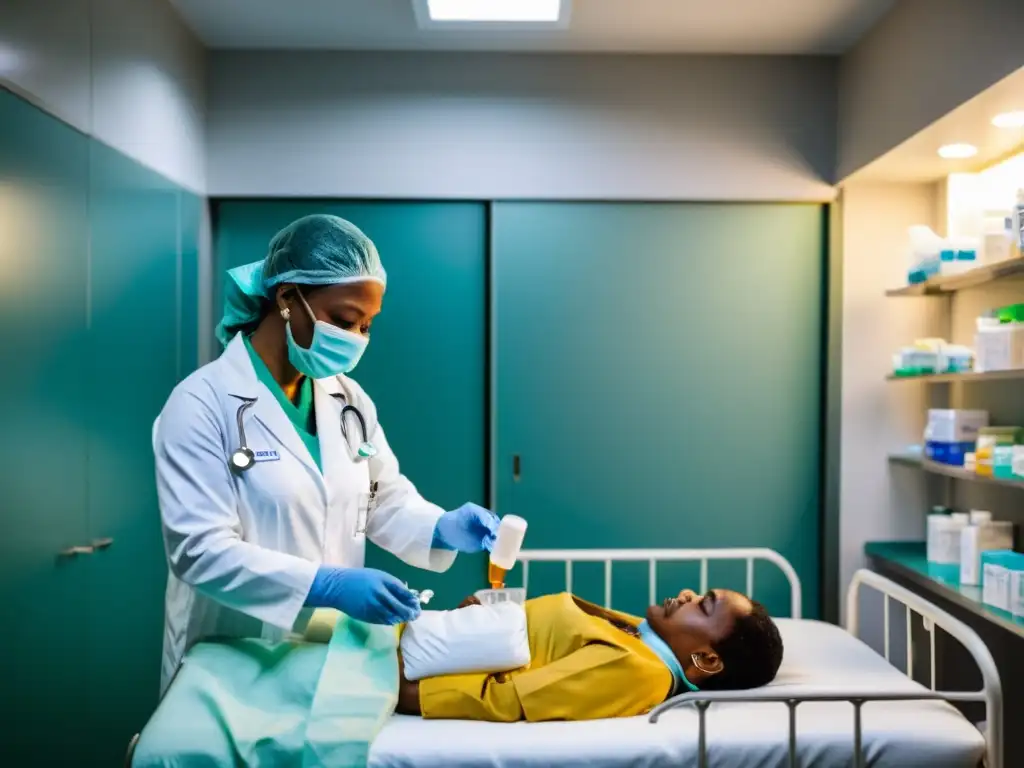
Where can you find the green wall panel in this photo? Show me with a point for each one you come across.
(100, 304)
(189, 215)
(44, 258)
(658, 370)
(425, 364)
(134, 366)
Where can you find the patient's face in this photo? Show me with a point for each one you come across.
(692, 623)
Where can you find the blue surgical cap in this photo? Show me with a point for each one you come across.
(313, 250)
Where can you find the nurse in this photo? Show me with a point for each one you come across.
(253, 552)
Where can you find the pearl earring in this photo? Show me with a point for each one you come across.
(286, 313)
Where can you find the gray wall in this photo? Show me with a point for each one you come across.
(127, 72)
(923, 59)
(507, 126)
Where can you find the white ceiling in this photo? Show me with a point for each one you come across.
(609, 26)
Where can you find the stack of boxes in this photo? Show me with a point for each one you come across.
(951, 434)
(981, 549)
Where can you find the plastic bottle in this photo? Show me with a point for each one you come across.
(997, 238)
(924, 256)
(1018, 221)
(951, 549)
(990, 352)
(938, 522)
(508, 542)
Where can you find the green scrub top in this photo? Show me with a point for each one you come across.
(301, 414)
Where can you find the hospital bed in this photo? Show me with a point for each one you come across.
(835, 701)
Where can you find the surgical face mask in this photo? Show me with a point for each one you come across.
(332, 351)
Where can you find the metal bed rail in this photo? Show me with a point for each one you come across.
(655, 556)
(990, 694)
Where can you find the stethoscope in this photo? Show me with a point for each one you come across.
(244, 457)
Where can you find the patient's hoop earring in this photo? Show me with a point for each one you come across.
(695, 658)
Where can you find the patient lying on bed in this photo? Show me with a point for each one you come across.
(588, 662)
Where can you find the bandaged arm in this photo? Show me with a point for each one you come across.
(597, 681)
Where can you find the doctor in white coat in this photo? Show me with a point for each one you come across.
(272, 469)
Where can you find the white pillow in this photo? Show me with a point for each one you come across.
(477, 638)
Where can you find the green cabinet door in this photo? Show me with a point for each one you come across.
(44, 260)
(134, 355)
(658, 375)
(425, 364)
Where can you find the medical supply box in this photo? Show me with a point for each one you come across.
(982, 535)
(1002, 580)
(951, 433)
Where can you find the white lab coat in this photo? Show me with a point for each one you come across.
(243, 548)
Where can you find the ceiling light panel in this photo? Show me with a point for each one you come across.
(492, 14)
(1009, 120)
(957, 151)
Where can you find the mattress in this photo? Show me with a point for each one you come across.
(818, 658)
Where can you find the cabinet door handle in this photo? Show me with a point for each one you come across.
(516, 468)
(75, 551)
(101, 543)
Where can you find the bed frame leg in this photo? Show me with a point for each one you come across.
(702, 740)
(792, 704)
(858, 751)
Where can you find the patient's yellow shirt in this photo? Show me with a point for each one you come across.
(582, 667)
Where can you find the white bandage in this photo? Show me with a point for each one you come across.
(477, 638)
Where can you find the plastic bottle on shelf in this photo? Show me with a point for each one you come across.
(938, 523)
(991, 352)
(1018, 221)
(997, 238)
(924, 256)
(947, 530)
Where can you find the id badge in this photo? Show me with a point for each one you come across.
(362, 514)
(367, 502)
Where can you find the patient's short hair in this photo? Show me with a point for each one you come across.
(750, 655)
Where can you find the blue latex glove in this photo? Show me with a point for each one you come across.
(365, 594)
(470, 528)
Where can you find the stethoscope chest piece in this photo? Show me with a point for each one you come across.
(366, 451)
(242, 459)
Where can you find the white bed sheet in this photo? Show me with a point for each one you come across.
(819, 657)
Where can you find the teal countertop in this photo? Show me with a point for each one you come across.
(907, 559)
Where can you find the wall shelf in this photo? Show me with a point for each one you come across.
(949, 378)
(908, 559)
(957, 473)
(943, 286)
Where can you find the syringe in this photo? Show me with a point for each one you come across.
(424, 597)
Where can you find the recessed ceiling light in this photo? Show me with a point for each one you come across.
(958, 151)
(496, 11)
(1009, 120)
